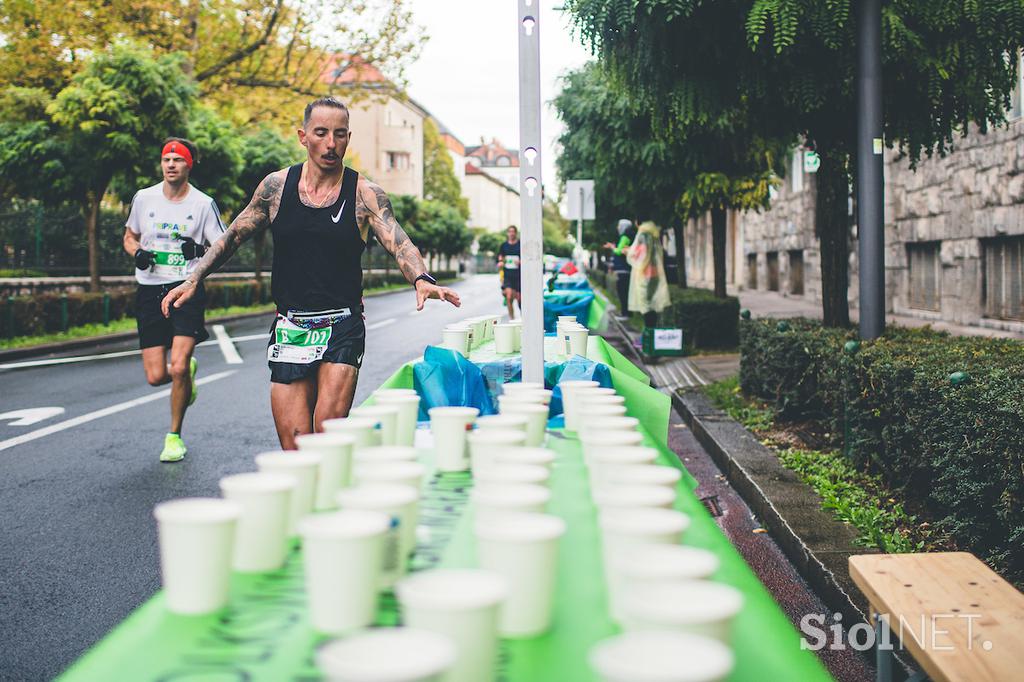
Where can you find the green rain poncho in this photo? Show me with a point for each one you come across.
(648, 286)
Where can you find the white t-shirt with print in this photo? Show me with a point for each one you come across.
(164, 224)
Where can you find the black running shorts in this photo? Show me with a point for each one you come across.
(157, 330)
(294, 352)
(511, 280)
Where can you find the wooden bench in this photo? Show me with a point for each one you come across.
(952, 613)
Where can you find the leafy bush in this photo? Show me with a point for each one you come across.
(706, 321)
(954, 443)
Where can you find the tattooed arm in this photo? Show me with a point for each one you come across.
(254, 218)
(374, 212)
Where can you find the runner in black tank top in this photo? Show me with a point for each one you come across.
(320, 215)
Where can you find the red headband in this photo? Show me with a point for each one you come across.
(178, 148)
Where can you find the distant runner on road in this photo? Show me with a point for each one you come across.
(509, 260)
(320, 214)
(168, 228)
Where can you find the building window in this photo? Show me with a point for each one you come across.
(772, 261)
(796, 273)
(503, 161)
(751, 270)
(925, 289)
(1016, 103)
(396, 161)
(1003, 278)
(797, 171)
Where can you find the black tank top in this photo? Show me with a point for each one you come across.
(317, 251)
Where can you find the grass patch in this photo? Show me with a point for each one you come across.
(858, 498)
(21, 272)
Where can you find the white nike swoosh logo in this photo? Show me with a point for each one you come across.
(336, 218)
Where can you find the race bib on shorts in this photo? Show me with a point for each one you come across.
(297, 345)
(170, 262)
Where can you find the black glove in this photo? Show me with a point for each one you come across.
(144, 260)
(191, 249)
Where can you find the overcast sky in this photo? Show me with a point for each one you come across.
(468, 73)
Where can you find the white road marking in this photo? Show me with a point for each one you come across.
(382, 323)
(231, 355)
(31, 415)
(105, 412)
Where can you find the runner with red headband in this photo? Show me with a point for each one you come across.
(168, 230)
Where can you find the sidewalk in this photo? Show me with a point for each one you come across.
(774, 304)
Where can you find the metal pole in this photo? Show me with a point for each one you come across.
(579, 230)
(530, 188)
(870, 187)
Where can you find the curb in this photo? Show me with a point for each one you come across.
(84, 342)
(818, 545)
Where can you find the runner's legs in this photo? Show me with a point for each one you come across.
(509, 297)
(154, 362)
(336, 388)
(292, 407)
(181, 388)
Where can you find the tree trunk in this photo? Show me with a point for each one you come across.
(191, 36)
(92, 219)
(831, 220)
(718, 224)
(678, 228)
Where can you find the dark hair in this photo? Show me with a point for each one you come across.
(189, 145)
(329, 101)
(512, 227)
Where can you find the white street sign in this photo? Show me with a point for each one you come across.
(579, 196)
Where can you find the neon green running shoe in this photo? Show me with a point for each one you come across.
(174, 448)
(193, 366)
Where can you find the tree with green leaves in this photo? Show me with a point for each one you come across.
(439, 181)
(792, 65)
(106, 123)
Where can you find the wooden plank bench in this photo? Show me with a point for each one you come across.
(952, 613)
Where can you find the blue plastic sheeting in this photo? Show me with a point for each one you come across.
(572, 285)
(445, 377)
(566, 303)
(498, 372)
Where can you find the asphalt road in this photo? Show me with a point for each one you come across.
(77, 489)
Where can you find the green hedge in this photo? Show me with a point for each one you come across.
(953, 443)
(706, 321)
(49, 313)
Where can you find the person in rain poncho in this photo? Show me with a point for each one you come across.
(648, 286)
(619, 265)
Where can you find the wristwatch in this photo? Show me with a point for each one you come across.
(426, 278)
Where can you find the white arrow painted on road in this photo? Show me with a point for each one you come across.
(31, 415)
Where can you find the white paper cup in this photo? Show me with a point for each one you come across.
(449, 426)
(491, 499)
(515, 386)
(576, 398)
(512, 473)
(335, 473)
(483, 443)
(525, 455)
(387, 453)
(463, 605)
(457, 339)
(387, 655)
(197, 538)
(598, 443)
(595, 413)
(341, 555)
(408, 414)
(623, 529)
(699, 607)
(479, 331)
(399, 502)
(633, 496)
(613, 475)
(567, 318)
(654, 563)
(504, 339)
(588, 399)
(518, 325)
(660, 656)
(362, 428)
(502, 422)
(262, 530)
(596, 419)
(569, 390)
(576, 341)
(386, 416)
(403, 473)
(304, 466)
(536, 420)
(523, 548)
